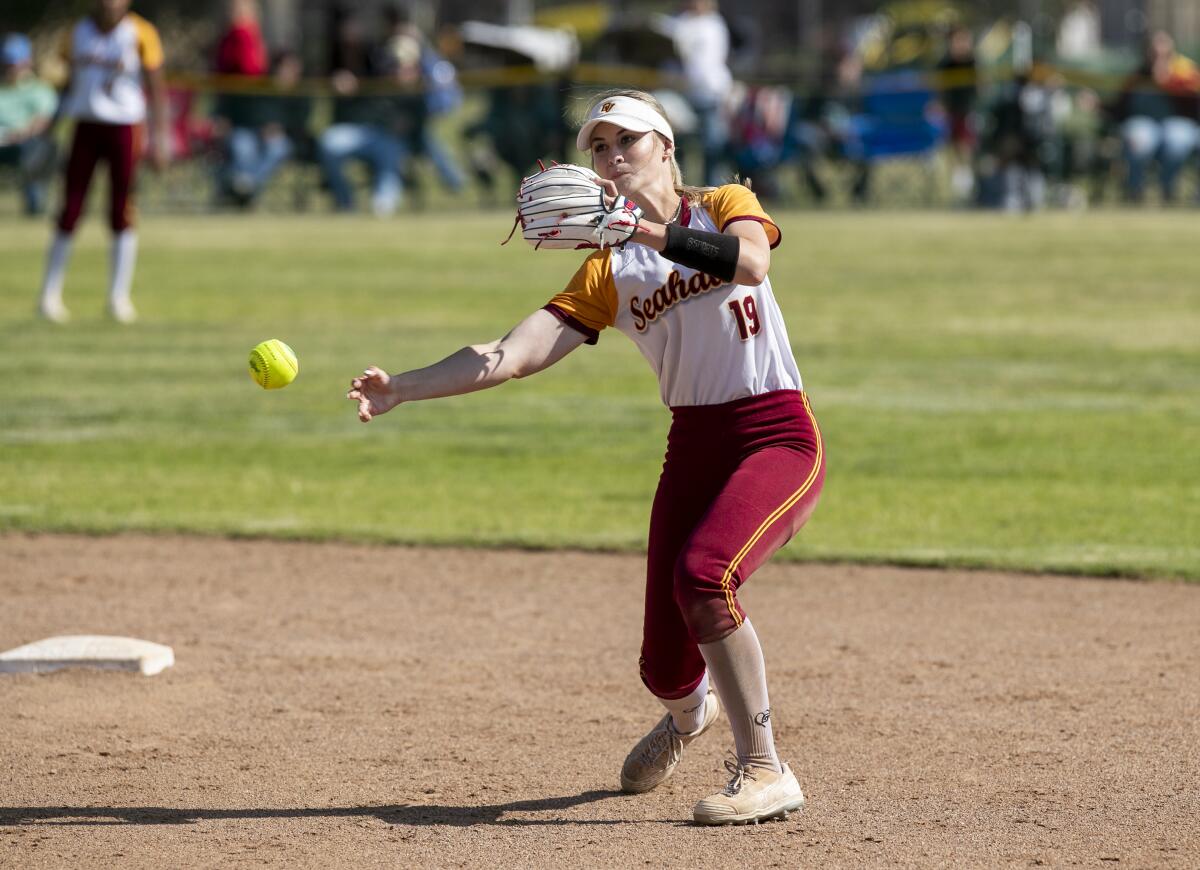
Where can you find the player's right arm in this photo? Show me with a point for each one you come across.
(67, 58)
(534, 344)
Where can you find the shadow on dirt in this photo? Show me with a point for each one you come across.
(400, 814)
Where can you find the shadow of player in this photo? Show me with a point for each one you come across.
(400, 814)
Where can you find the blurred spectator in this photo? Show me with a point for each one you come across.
(1018, 145)
(759, 141)
(1079, 32)
(242, 50)
(958, 84)
(26, 106)
(825, 125)
(745, 43)
(265, 130)
(701, 40)
(1078, 154)
(366, 122)
(429, 87)
(522, 123)
(1156, 111)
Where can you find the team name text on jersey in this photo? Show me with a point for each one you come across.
(675, 290)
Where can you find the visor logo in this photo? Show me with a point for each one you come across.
(607, 107)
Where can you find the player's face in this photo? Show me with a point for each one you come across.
(110, 12)
(631, 160)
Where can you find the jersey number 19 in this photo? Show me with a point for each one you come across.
(746, 314)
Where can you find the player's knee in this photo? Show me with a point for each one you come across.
(121, 220)
(664, 675)
(668, 671)
(705, 593)
(67, 221)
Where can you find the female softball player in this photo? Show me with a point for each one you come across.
(684, 274)
(109, 52)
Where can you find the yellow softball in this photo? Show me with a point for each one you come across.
(273, 364)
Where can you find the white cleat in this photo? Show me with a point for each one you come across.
(656, 755)
(55, 312)
(753, 795)
(122, 312)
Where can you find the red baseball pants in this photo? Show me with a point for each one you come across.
(118, 145)
(739, 481)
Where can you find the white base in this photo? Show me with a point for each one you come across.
(89, 651)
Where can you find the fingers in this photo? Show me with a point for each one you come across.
(373, 375)
(372, 378)
(609, 196)
(364, 405)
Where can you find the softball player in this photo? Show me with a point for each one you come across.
(109, 53)
(744, 463)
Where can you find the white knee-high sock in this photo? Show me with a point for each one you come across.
(737, 667)
(124, 256)
(687, 713)
(56, 269)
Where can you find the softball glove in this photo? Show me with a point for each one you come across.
(563, 207)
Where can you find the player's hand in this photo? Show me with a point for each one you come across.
(571, 207)
(610, 191)
(160, 156)
(374, 393)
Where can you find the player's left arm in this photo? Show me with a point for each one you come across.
(150, 52)
(754, 252)
(741, 254)
(160, 126)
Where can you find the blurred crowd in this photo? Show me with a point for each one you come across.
(1021, 136)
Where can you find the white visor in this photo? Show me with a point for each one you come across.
(628, 114)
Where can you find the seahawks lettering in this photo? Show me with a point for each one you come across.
(675, 290)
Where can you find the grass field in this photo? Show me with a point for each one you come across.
(993, 392)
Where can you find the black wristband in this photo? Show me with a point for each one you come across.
(710, 253)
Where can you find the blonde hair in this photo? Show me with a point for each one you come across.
(689, 192)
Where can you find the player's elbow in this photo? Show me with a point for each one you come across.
(751, 274)
(523, 367)
(508, 361)
(753, 266)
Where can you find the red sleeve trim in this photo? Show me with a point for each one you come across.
(750, 217)
(592, 335)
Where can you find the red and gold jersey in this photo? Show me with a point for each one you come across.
(106, 69)
(709, 342)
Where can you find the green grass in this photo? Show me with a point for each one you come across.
(993, 392)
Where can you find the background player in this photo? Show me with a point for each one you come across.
(745, 460)
(110, 52)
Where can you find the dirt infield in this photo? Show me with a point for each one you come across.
(372, 706)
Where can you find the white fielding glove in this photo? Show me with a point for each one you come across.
(563, 207)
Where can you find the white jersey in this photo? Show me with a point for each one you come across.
(709, 342)
(107, 67)
(702, 41)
